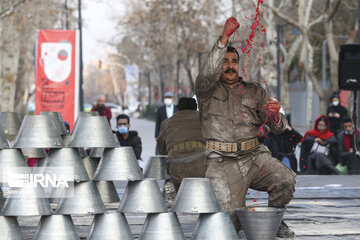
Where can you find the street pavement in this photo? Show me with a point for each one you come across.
(324, 207)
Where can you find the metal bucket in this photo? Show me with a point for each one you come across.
(56, 227)
(260, 222)
(118, 164)
(92, 132)
(38, 131)
(156, 168)
(205, 229)
(110, 226)
(142, 197)
(162, 226)
(195, 195)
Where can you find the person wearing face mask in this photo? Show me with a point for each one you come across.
(165, 112)
(126, 137)
(319, 149)
(336, 112)
(349, 155)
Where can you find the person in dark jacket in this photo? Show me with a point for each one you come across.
(282, 146)
(336, 112)
(126, 137)
(349, 155)
(319, 149)
(166, 111)
(101, 108)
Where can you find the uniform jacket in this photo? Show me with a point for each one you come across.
(183, 126)
(133, 141)
(161, 116)
(230, 114)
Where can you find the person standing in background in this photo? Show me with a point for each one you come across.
(101, 108)
(336, 112)
(164, 112)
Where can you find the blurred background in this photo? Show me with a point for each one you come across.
(135, 51)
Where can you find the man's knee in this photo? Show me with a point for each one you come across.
(281, 192)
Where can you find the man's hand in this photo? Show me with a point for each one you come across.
(273, 107)
(230, 26)
(336, 115)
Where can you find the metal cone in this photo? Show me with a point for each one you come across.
(66, 157)
(110, 226)
(90, 166)
(107, 191)
(142, 197)
(156, 168)
(2, 199)
(4, 143)
(38, 131)
(26, 201)
(205, 229)
(34, 152)
(92, 132)
(66, 140)
(96, 152)
(59, 122)
(195, 195)
(14, 162)
(118, 164)
(260, 222)
(10, 122)
(88, 114)
(86, 200)
(10, 229)
(82, 152)
(56, 227)
(162, 226)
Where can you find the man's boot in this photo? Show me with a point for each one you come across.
(170, 193)
(284, 231)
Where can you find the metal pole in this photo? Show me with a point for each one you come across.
(177, 79)
(162, 83)
(355, 92)
(66, 15)
(278, 26)
(81, 93)
(149, 93)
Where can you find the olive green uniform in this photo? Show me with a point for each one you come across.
(181, 139)
(234, 115)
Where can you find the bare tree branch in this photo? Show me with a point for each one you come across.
(284, 17)
(10, 10)
(331, 15)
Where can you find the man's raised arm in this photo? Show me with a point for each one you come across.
(211, 71)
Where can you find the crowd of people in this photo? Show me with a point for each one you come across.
(328, 148)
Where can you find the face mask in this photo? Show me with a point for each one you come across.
(123, 130)
(349, 133)
(168, 101)
(335, 103)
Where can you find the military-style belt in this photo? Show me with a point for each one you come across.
(232, 147)
(186, 146)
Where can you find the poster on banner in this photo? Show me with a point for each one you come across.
(57, 80)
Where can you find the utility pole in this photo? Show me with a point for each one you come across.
(178, 78)
(81, 93)
(162, 83)
(149, 93)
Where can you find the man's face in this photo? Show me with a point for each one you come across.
(321, 126)
(348, 127)
(101, 101)
(123, 122)
(230, 68)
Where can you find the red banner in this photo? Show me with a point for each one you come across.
(57, 73)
